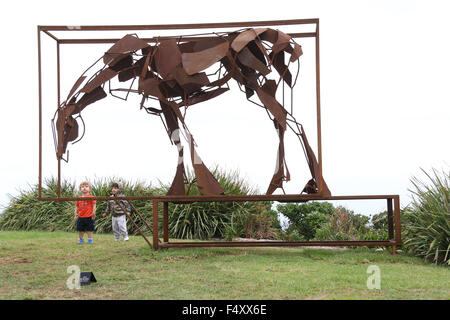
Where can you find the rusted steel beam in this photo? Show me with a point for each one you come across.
(390, 219)
(397, 221)
(155, 225)
(140, 216)
(225, 198)
(132, 220)
(182, 26)
(275, 243)
(40, 114)
(166, 221)
(157, 39)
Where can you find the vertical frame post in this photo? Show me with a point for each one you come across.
(390, 219)
(319, 128)
(155, 225)
(166, 221)
(40, 113)
(398, 224)
(58, 83)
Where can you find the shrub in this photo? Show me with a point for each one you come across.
(305, 218)
(204, 220)
(26, 212)
(426, 221)
(344, 224)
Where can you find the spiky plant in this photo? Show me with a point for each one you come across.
(426, 221)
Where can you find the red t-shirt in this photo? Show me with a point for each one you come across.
(85, 207)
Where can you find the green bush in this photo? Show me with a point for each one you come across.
(26, 212)
(204, 220)
(344, 224)
(426, 221)
(305, 219)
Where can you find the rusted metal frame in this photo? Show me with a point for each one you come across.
(183, 26)
(140, 216)
(280, 243)
(113, 40)
(58, 84)
(156, 245)
(319, 128)
(40, 114)
(134, 223)
(275, 243)
(390, 219)
(286, 22)
(397, 221)
(51, 35)
(165, 221)
(121, 90)
(225, 198)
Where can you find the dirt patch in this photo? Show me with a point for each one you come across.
(8, 261)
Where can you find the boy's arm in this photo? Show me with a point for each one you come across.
(94, 209)
(76, 213)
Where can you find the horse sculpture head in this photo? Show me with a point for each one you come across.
(173, 72)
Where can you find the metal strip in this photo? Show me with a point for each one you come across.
(225, 198)
(158, 39)
(181, 26)
(275, 243)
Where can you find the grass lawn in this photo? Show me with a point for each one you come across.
(33, 265)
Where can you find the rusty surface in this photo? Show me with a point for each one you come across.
(174, 71)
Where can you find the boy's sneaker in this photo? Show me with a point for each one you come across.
(81, 241)
(90, 241)
(126, 239)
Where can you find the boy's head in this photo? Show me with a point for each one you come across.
(115, 188)
(85, 187)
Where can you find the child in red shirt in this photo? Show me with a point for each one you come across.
(85, 213)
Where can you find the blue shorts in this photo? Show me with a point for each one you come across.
(85, 224)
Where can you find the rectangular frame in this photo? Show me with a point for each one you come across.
(393, 219)
(393, 201)
(48, 29)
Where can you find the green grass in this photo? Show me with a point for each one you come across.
(33, 265)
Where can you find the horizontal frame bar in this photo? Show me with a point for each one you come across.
(181, 26)
(98, 41)
(275, 243)
(225, 198)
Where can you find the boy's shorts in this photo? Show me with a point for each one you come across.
(85, 224)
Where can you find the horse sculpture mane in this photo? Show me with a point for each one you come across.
(172, 71)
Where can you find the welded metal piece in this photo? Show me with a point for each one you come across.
(173, 71)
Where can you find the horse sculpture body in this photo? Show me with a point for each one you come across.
(172, 71)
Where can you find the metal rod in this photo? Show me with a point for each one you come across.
(155, 225)
(51, 35)
(158, 39)
(58, 85)
(397, 220)
(134, 223)
(181, 26)
(275, 243)
(40, 114)
(319, 128)
(225, 198)
(140, 216)
(166, 221)
(390, 219)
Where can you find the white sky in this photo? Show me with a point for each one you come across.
(385, 76)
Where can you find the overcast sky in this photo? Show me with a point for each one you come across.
(385, 76)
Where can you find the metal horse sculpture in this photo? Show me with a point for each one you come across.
(172, 71)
